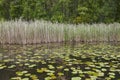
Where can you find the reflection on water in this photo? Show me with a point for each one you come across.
(60, 62)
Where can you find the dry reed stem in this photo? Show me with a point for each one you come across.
(22, 32)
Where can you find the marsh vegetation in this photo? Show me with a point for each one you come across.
(23, 32)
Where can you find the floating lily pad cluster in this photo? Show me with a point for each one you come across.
(68, 62)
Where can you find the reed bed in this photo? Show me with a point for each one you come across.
(22, 32)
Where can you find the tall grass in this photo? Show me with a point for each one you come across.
(21, 32)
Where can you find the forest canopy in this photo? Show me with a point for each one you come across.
(63, 11)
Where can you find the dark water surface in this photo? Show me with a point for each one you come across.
(60, 62)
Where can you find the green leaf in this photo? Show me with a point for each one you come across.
(76, 78)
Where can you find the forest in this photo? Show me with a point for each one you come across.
(62, 11)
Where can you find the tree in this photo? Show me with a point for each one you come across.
(16, 9)
(117, 17)
(71, 11)
(4, 9)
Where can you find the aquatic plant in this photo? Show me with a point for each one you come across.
(33, 32)
(84, 62)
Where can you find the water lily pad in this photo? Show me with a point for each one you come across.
(40, 70)
(59, 67)
(28, 74)
(74, 72)
(34, 77)
(31, 66)
(100, 74)
(2, 67)
(76, 78)
(66, 69)
(24, 72)
(60, 74)
(50, 74)
(15, 78)
(25, 79)
(51, 67)
(53, 77)
(12, 66)
(19, 73)
(48, 78)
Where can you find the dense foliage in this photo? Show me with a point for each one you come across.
(72, 11)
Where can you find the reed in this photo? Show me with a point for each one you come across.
(22, 32)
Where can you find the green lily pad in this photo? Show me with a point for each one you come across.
(25, 78)
(12, 66)
(2, 67)
(60, 74)
(66, 69)
(31, 66)
(48, 78)
(51, 67)
(19, 73)
(15, 78)
(76, 78)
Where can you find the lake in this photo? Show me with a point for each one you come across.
(55, 61)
